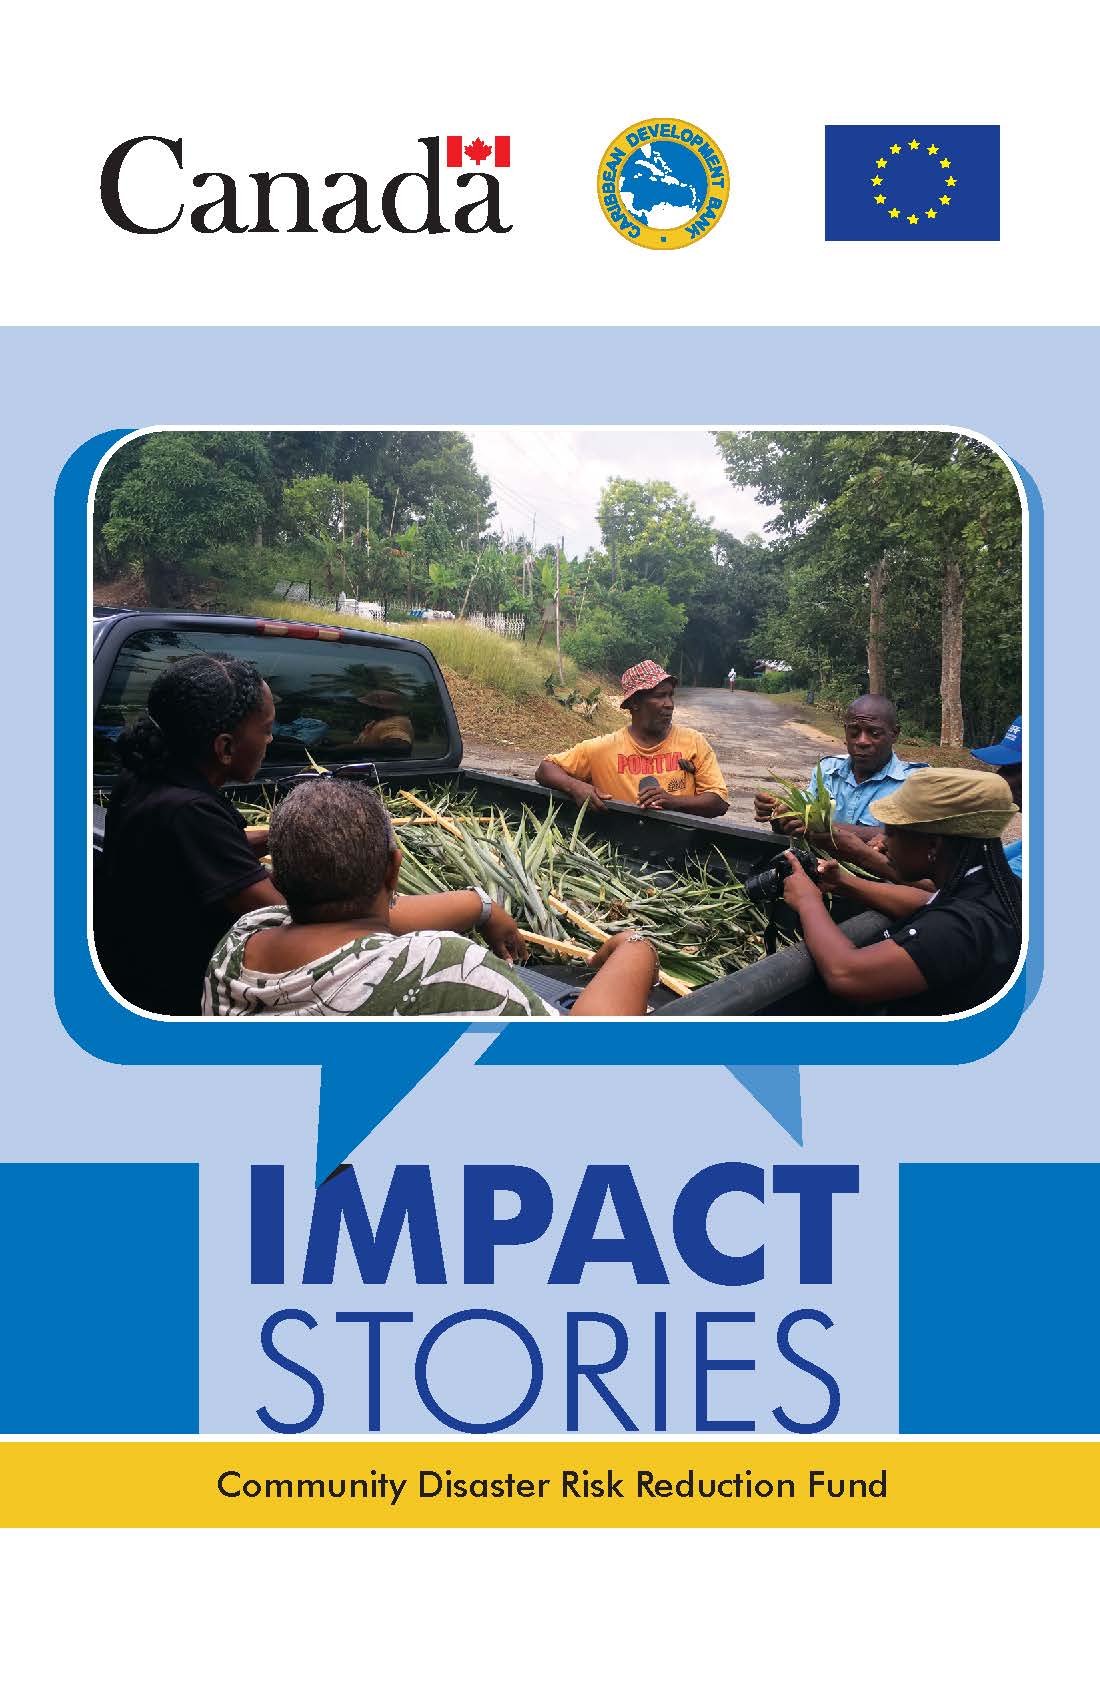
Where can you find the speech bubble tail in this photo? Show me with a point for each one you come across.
(778, 1091)
(354, 1099)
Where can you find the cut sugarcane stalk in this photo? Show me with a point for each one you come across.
(588, 927)
(558, 947)
(427, 810)
(680, 987)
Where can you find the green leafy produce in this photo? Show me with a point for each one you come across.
(569, 889)
(813, 808)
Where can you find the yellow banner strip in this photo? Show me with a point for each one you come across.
(579, 1483)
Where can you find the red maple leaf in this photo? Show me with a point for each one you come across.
(477, 150)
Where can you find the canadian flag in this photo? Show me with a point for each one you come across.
(478, 151)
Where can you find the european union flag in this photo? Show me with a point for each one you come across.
(912, 183)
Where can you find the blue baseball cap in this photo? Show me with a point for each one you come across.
(1010, 751)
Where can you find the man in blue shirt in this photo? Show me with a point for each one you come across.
(867, 773)
(1008, 758)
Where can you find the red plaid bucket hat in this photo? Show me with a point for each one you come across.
(644, 676)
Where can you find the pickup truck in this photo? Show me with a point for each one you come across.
(380, 703)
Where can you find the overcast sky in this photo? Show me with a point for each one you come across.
(557, 476)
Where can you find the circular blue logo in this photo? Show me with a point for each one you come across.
(663, 184)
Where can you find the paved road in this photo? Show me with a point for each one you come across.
(753, 736)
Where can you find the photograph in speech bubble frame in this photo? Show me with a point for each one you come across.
(359, 1089)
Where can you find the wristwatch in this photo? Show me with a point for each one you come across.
(486, 906)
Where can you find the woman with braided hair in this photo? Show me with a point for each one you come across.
(947, 950)
(178, 866)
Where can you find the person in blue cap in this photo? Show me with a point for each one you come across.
(1008, 758)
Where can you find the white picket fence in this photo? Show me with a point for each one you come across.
(505, 625)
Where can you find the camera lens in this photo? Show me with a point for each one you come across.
(764, 887)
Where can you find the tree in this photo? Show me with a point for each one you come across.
(658, 537)
(179, 494)
(415, 474)
(411, 473)
(631, 624)
(630, 598)
(967, 514)
(745, 585)
(882, 536)
(335, 518)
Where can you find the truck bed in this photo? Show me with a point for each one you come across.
(785, 983)
(327, 677)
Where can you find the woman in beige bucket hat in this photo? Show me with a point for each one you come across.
(959, 948)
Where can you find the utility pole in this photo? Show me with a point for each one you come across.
(557, 606)
(470, 586)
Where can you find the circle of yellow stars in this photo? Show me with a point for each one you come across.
(878, 182)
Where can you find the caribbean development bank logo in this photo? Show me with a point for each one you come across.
(663, 183)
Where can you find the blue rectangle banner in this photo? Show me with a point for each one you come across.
(912, 183)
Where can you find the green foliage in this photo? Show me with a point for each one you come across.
(178, 494)
(629, 626)
(745, 585)
(658, 560)
(405, 516)
(166, 503)
(814, 808)
(250, 568)
(655, 536)
(897, 509)
(412, 475)
(324, 509)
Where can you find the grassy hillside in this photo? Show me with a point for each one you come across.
(498, 685)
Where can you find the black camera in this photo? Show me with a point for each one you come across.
(766, 885)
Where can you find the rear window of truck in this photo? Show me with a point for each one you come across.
(343, 702)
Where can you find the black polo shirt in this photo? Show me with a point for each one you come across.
(966, 946)
(174, 850)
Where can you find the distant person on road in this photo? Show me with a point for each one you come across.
(1008, 759)
(869, 772)
(650, 762)
(178, 862)
(731, 678)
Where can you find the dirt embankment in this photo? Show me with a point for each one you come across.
(508, 736)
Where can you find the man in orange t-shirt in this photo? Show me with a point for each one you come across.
(650, 762)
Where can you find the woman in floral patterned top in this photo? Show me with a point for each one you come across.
(346, 944)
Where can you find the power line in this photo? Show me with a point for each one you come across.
(516, 500)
